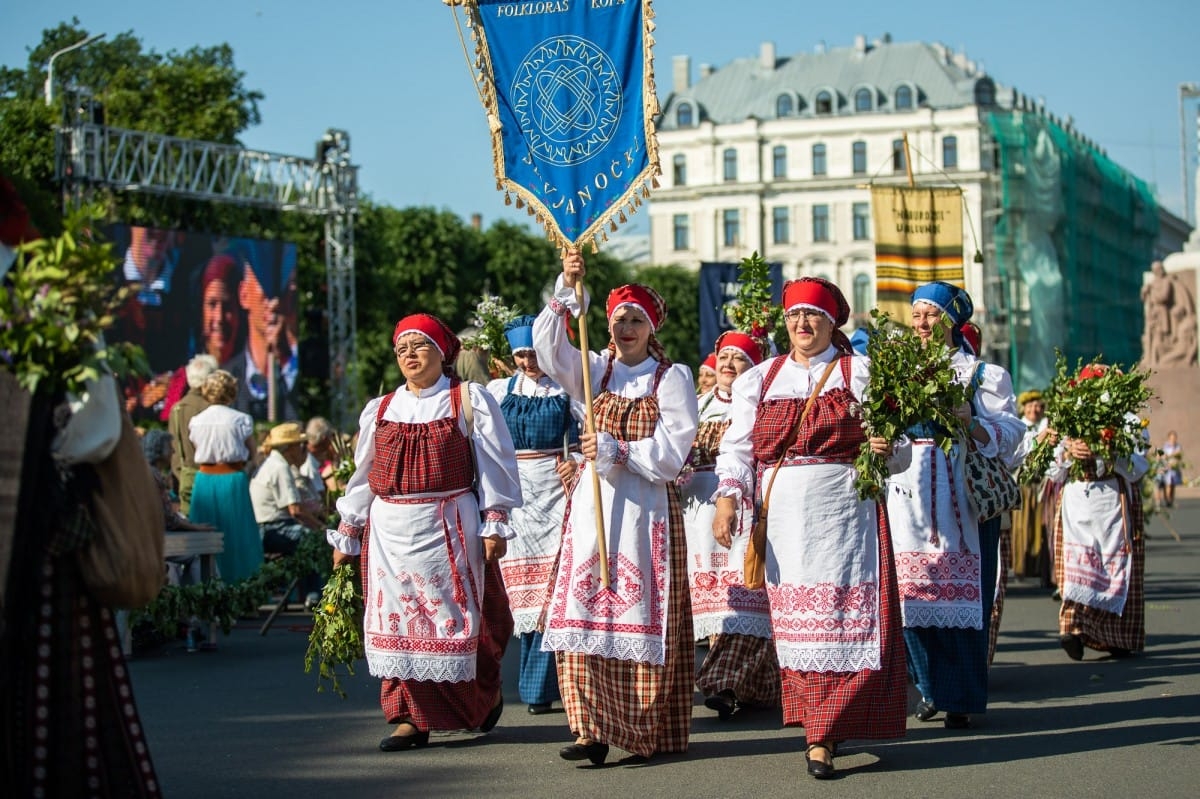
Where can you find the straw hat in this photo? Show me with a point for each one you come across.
(284, 434)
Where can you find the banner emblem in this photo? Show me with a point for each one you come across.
(567, 96)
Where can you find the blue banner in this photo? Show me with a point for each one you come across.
(568, 87)
(718, 287)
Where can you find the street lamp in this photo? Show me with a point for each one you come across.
(1186, 90)
(49, 87)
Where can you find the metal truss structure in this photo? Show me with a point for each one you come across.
(93, 155)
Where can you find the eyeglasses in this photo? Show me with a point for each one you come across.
(807, 314)
(412, 349)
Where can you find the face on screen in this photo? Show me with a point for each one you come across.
(219, 320)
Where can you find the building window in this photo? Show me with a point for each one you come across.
(950, 152)
(820, 223)
(784, 105)
(679, 170)
(862, 100)
(904, 99)
(824, 103)
(898, 155)
(864, 297)
(730, 158)
(862, 223)
(779, 161)
(818, 159)
(732, 227)
(779, 225)
(681, 231)
(860, 157)
(985, 92)
(683, 115)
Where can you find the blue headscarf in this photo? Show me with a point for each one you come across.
(519, 333)
(859, 340)
(951, 300)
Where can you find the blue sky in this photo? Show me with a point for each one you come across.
(392, 72)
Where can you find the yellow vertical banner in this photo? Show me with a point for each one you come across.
(918, 238)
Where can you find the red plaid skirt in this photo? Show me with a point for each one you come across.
(456, 705)
(837, 706)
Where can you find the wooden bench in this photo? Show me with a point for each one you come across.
(207, 544)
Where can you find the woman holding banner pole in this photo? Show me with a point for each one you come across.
(624, 650)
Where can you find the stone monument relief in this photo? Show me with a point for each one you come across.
(1170, 349)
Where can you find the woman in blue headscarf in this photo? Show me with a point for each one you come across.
(945, 557)
(543, 422)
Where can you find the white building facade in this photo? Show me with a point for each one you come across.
(777, 155)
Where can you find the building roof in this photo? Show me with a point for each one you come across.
(748, 87)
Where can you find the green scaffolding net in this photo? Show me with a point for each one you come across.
(1073, 236)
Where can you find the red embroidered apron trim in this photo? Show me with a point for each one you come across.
(460, 594)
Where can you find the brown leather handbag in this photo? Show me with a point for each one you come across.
(754, 568)
(123, 563)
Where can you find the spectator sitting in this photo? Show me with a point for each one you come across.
(318, 461)
(279, 504)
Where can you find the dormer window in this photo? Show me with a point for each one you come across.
(683, 115)
(824, 103)
(863, 101)
(985, 92)
(785, 106)
(904, 98)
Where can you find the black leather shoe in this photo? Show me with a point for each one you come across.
(595, 752)
(398, 743)
(817, 768)
(1119, 653)
(925, 710)
(957, 721)
(540, 708)
(724, 703)
(489, 723)
(1073, 645)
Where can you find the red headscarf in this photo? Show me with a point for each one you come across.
(710, 363)
(743, 343)
(818, 293)
(433, 329)
(973, 336)
(644, 298)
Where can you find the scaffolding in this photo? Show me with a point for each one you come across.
(90, 155)
(1071, 235)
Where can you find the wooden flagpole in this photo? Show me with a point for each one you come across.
(584, 351)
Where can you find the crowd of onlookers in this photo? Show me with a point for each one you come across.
(265, 493)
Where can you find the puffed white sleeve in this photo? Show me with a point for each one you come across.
(495, 465)
(354, 507)
(660, 457)
(996, 408)
(735, 459)
(498, 388)
(556, 355)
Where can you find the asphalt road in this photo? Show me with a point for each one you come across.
(246, 721)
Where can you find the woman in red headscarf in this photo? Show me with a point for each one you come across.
(740, 669)
(427, 508)
(625, 653)
(830, 577)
